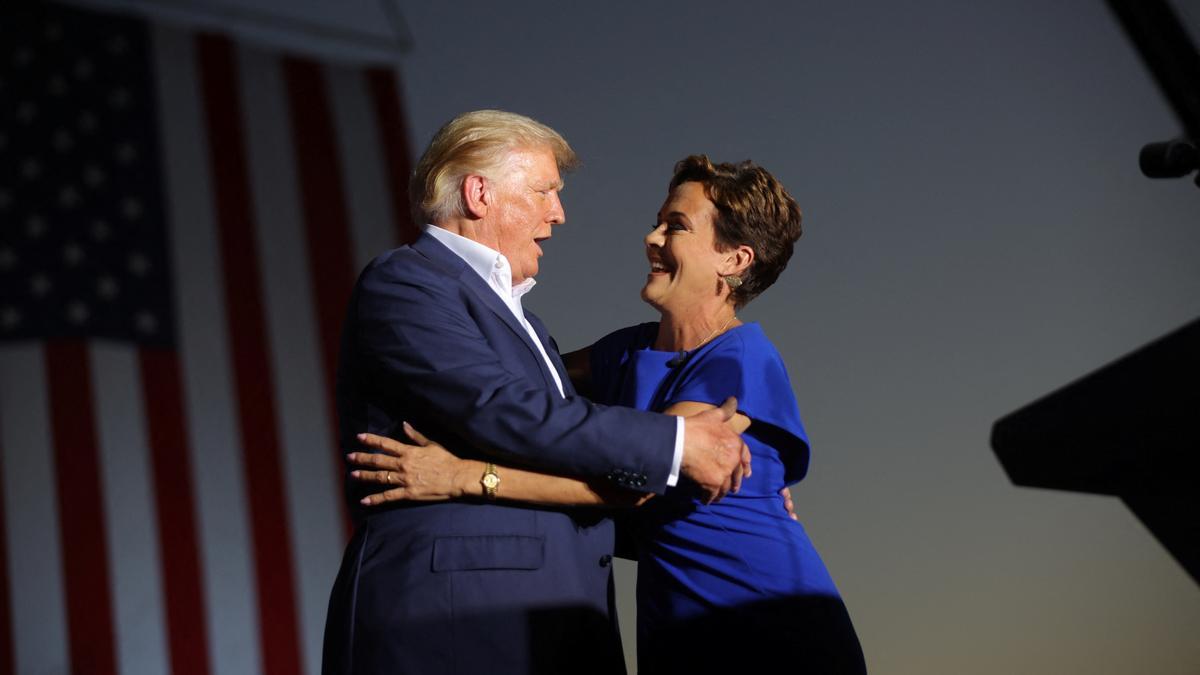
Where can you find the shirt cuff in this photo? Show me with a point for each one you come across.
(673, 478)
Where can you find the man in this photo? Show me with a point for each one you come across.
(436, 336)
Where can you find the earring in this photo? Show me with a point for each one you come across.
(733, 281)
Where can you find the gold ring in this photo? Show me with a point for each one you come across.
(389, 477)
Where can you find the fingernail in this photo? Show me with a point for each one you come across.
(354, 474)
(361, 437)
(350, 456)
(365, 501)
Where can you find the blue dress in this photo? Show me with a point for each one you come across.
(736, 583)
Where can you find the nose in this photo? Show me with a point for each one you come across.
(657, 236)
(557, 215)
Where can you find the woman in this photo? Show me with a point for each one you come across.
(731, 583)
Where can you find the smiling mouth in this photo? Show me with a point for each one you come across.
(659, 267)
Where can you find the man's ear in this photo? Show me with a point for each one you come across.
(737, 261)
(476, 195)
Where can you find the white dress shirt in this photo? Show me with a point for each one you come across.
(494, 269)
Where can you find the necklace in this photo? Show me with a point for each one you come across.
(684, 354)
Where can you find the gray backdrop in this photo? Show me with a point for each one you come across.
(977, 234)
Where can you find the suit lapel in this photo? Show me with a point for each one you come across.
(456, 267)
(551, 351)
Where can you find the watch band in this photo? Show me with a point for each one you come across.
(490, 481)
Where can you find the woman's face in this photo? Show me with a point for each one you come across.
(685, 266)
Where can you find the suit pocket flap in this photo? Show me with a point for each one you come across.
(496, 552)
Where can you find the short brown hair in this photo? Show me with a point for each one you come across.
(753, 209)
(476, 142)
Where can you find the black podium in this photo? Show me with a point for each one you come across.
(1130, 429)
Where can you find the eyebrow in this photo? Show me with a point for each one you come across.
(687, 221)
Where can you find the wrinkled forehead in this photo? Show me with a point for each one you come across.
(535, 165)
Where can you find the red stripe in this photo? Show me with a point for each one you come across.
(326, 225)
(393, 136)
(187, 634)
(8, 662)
(257, 419)
(87, 584)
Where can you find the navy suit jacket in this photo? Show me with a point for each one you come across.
(475, 586)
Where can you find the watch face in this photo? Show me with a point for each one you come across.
(491, 480)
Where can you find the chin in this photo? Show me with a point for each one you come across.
(650, 298)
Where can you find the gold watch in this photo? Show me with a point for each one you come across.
(490, 480)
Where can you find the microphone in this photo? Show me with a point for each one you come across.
(1169, 159)
(679, 359)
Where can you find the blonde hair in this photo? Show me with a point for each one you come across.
(476, 142)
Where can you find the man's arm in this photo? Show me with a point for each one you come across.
(424, 356)
(692, 465)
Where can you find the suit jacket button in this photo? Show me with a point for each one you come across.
(605, 560)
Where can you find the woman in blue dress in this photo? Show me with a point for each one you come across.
(737, 576)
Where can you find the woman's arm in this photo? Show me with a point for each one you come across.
(739, 423)
(427, 471)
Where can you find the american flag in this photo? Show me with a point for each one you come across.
(181, 218)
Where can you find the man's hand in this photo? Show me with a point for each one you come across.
(714, 456)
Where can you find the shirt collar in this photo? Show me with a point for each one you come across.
(489, 264)
(523, 287)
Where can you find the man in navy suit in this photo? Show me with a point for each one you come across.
(436, 336)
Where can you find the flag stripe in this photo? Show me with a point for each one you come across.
(324, 204)
(326, 227)
(257, 420)
(393, 134)
(81, 508)
(170, 462)
(367, 186)
(230, 599)
(306, 420)
(129, 507)
(35, 551)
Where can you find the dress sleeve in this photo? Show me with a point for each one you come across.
(746, 365)
(608, 356)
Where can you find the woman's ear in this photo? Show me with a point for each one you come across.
(737, 261)
(476, 195)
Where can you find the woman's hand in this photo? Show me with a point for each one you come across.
(788, 504)
(426, 471)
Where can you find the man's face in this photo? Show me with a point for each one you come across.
(526, 207)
